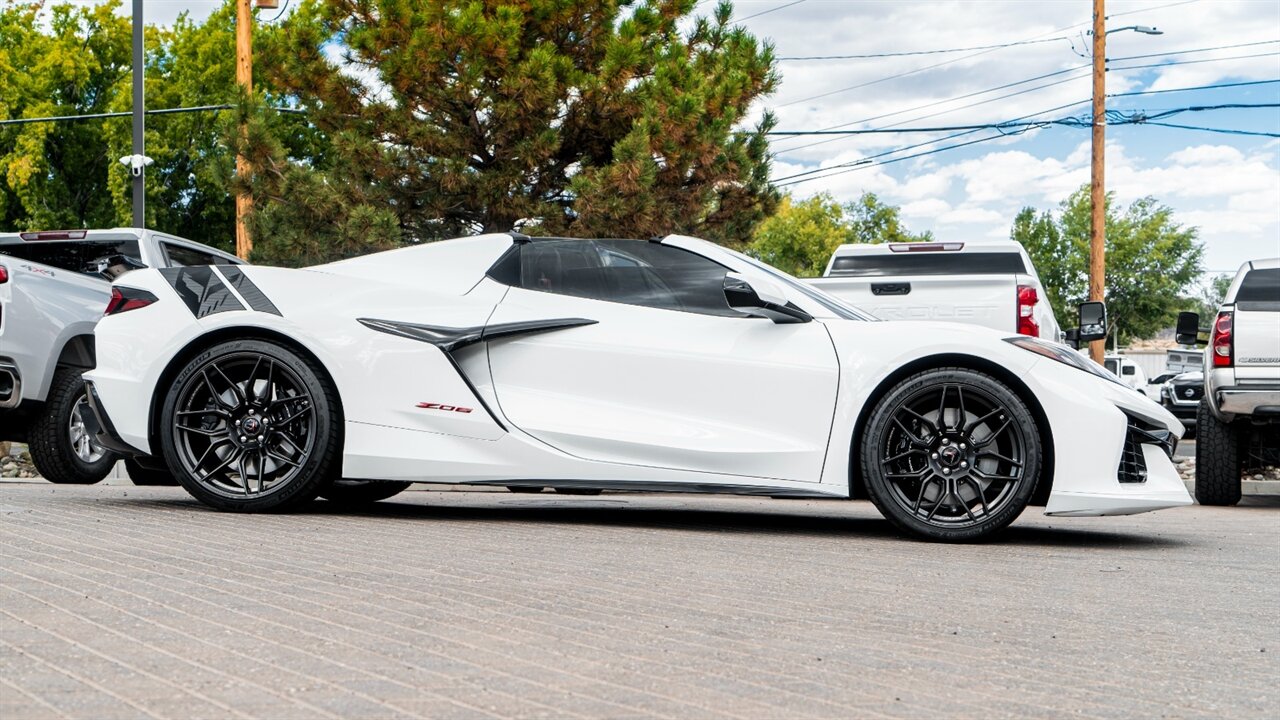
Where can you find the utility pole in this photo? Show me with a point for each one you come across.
(1097, 185)
(244, 77)
(138, 182)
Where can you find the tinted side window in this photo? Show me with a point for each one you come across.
(181, 256)
(634, 272)
(1260, 291)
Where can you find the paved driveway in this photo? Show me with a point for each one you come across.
(137, 602)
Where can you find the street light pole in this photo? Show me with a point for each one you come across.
(137, 181)
(244, 77)
(1097, 186)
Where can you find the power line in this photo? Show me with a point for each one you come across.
(129, 113)
(1191, 62)
(1149, 9)
(1194, 87)
(1018, 129)
(766, 12)
(1196, 50)
(922, 52)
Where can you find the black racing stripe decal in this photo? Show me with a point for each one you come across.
(201, 289)
(250, 292)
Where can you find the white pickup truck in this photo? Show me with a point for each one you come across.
(54, 287)
(1238, 420)
(990, 283)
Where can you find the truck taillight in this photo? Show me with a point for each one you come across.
(124, 299)
(4, 274)
(1027, 299)
(1220, 342)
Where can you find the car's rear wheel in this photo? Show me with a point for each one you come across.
(1218, 459)
(62, 449)
(951, 454)
(362, 492)
(250, 425)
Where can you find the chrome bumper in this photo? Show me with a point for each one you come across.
(1239, 400)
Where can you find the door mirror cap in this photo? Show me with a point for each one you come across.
(1093, 322)
(1188, 329)
(761, 298)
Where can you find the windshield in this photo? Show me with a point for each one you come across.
(836, 307)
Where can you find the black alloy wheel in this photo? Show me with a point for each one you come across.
(249, 426)
(951, 454)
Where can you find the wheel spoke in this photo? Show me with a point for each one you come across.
(982, 498)
(250, 394)
(912, 451)
(201, 431)
(231, 457)
(294, 416)
(208, 411)
(281, 458)
(992, 476)
(240, 399)
(963, 413)
(915, 440)
(968, 430)
(915, 509)
(261, 465)
(942, 408)
(212, 445)
(998, 456)
(990, 438)
(933, 428)
(907, 476)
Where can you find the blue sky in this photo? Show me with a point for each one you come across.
(1227, 185)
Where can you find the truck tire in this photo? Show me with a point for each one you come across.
(1217, 459)
(59, 450)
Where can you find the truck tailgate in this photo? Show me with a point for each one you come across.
(1256, 334)
(988, 300)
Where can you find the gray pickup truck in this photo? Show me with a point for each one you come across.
(1238, 417)
(54, 286)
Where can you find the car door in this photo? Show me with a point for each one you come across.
(667, 375)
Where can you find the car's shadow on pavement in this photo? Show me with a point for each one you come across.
(621, 511)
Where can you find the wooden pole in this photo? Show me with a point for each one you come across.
(1097, 185)
(244, 169)
(138, 181)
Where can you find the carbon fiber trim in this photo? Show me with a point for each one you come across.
(450, 339)
(250, 292)
(201, 289)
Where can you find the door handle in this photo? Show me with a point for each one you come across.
(890, 288)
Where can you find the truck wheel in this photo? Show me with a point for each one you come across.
(146, 476)
(1217, 459)
(62, 449)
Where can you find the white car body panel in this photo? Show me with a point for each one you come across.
(645, 398)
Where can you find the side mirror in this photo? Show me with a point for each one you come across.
(761, 298)
(1188, 329)
(1093, 322)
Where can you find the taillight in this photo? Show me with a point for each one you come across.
(1027, 299)
(124, 299)
(1220, 342)
(4, 274)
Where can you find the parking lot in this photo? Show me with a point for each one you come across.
(137, 602)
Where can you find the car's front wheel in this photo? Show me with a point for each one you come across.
(62, 449)
(250, 425)
(951, 454)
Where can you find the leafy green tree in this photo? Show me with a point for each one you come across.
(802, 235)
(1209, 298)
(74, 61)
(597, 117)
(871, 221)
(1151, 261)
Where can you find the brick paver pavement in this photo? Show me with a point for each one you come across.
(122, 602)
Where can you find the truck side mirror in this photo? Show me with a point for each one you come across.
(1093, 322)
(1188, 329)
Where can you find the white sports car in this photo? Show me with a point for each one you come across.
(665, 365)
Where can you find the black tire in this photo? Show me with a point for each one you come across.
(524, 489)
(145, 476)
(986, 441)
(362, 492)
(285, 418)
(1218, 459)
(578, 491)
(50, 438)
